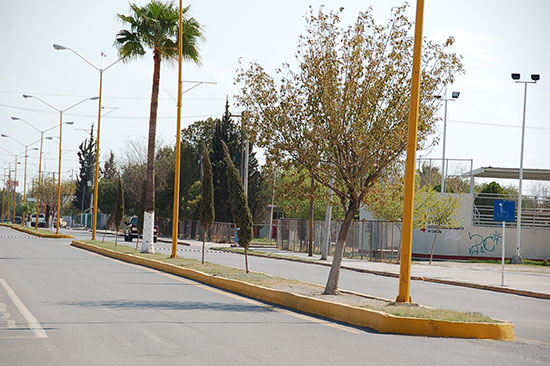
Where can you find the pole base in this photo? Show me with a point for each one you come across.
(516, 259)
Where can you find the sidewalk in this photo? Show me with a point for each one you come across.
(527, 280)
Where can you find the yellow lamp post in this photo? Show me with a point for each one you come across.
(408, 204)
(60, 111)
(3, 194)
(96, 176)
(40, 157)
(25, 178)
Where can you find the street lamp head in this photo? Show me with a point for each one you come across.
(515, 76)
(437, 96)
(3, 135)
(34, 148)
(27, 96)
(59, 47)
(455, 95)
(15, 118)
(94, 98)
(69, 123)
(535, 77)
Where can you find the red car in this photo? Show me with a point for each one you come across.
(132, 230)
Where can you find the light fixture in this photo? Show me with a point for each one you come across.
(455, 94)
(515, 76)
(59, 47)
(535, 77)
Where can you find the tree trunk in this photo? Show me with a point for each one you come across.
(149, 206)
(246, 259)
(433, 245)
(331, 287)
(310, 246)
(203, 236)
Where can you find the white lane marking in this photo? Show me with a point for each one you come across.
(245, 299)
(11, 323)
(34, 325)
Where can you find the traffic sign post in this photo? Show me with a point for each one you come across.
(504, 211)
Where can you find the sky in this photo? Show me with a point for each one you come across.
(494, 37)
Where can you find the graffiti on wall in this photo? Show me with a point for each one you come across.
(484, 244)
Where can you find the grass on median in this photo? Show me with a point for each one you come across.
(430, 313)
(302, 288)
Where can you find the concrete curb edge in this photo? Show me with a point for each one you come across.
(31, 232)
(538, 295)
(361, 317)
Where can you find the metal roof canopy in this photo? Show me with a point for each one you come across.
(509, 173)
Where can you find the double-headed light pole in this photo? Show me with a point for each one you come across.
(454, 96)
(40, 157)
(60, 111)
(534, 78)
(25, 178)
(100, 69)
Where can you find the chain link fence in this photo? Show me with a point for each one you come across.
(372, 240)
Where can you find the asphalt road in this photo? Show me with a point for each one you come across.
(61, 305)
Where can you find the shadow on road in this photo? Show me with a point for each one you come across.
(169, 305)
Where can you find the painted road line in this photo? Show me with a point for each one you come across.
(34, 325)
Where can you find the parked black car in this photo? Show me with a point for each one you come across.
(132, 232)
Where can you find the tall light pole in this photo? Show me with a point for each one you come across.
(412, 142)
(100, 70)
(517, 258)
(60, 111)
(454, 96)
(25, 178)
(40, 157)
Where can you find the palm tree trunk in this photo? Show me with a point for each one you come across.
(149, 206)
(331, 288)
(433, 246)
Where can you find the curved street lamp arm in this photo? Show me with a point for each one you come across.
(27, 122)
(74, 105)
(84, 58)
(40, 99)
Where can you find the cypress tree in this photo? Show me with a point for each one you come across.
(239, 205)
(207, 197)
(118, 209)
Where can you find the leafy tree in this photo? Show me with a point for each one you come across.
(207, 197)
(47, 190)
(239, 205)
(86, 158)
(344, 112)
(293, 192)
(191, 202)
(156, 26)
(107, 192)
(441, 214)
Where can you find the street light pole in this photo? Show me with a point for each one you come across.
(454, 95)
(517, 257)
(60, 111)
(176, 204)
(96, 177)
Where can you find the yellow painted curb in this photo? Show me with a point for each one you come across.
(379, 321)
(35, 233)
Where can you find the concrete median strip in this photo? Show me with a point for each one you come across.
(36, 233)
(361, 317)
(506, 290)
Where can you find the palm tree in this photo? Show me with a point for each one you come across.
(156, 26)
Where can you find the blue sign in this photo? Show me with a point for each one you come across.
(504, 211)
